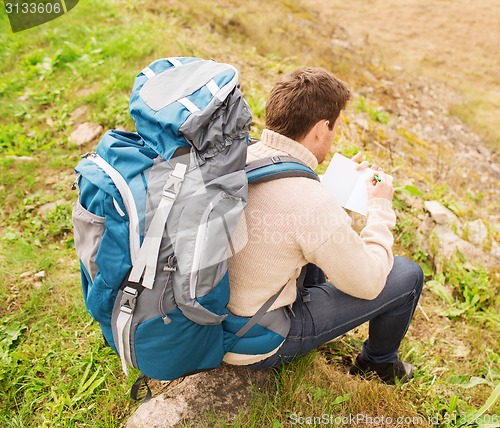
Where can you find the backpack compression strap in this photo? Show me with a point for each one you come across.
(275, 167)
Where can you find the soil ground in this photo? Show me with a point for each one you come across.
(454, 41)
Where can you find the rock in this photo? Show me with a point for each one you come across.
(79, 113)
(44, 209)
(224, 390)
(47, 207)
(370, 76)
(342, 43)
(476, 232)
(439, 213)
(449, 243)
(362, 123)
(24, 97)
(414, 202)
(484, 152)
(423, 232)
(495, 222)
(88, 90)
(495, 249)
(85, 133)
(461, 350)
(20, 158)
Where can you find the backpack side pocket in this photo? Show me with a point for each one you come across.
(88, 230)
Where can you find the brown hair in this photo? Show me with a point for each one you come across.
(302, 98)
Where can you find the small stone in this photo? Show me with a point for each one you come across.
(47, 207)
(362, 123)
(342, 43)
(439, 213)
(40, 274)
(369, 76)
(449, 243)
(476, 232)
(51, 206)
(21, 158)
(79, 113)
(495, 249)
(483, 151)
(85, 133)
(461, 351)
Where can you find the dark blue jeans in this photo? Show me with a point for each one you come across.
(329, 313)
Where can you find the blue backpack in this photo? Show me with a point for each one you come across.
(155, 216)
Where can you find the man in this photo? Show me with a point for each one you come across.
(295, 221)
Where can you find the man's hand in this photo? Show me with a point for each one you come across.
(378, 186)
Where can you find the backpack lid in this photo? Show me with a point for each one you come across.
(176, 102)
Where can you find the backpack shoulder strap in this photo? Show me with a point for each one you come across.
(273, 168)
(276, 167)
(268, 169)
(269, 302)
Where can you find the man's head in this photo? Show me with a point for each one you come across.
(302, 99)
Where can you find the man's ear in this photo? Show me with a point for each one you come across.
(317, 132)
(321, 128)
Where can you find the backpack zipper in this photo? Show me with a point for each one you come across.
(127, 197)
(170, 267)
(201, 237)
(200, 240)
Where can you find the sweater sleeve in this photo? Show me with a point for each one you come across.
(356, 264)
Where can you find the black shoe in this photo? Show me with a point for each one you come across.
(388, 372)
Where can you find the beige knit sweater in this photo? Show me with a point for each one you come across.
(294, 221)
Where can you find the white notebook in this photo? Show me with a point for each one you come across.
(347, 184)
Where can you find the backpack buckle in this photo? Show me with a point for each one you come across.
(128, 300)
(275, 159)
(173, 183)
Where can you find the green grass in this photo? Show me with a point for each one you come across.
(54, 368)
